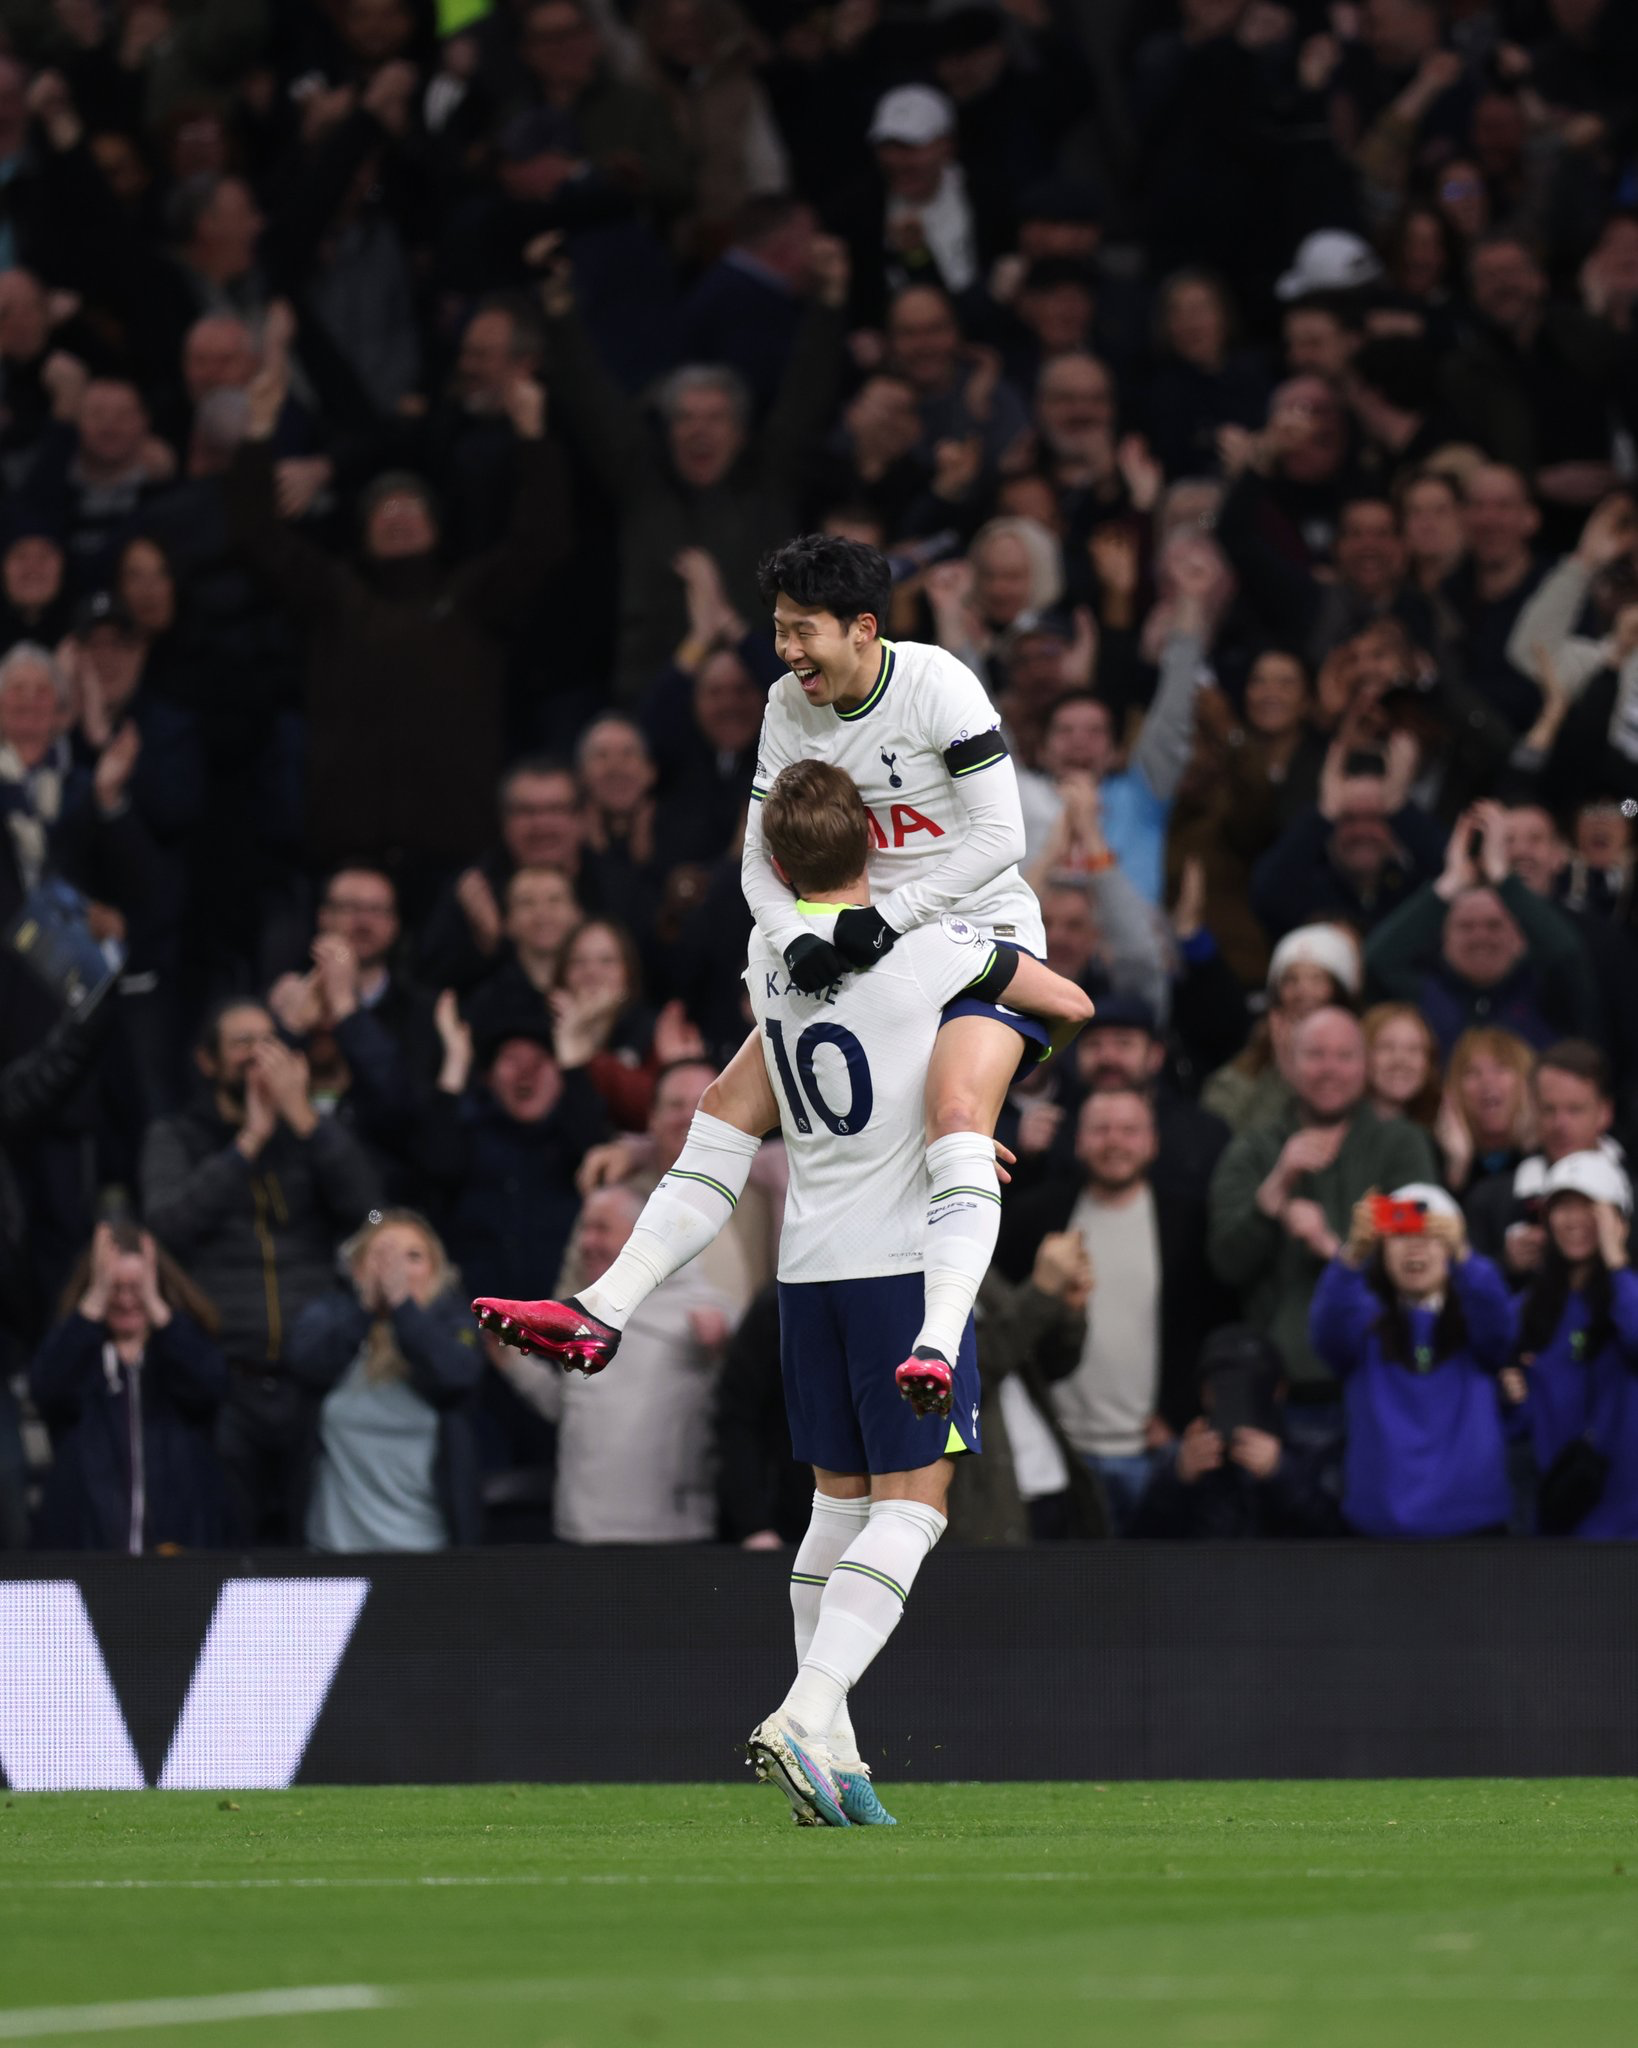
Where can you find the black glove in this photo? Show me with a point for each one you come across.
(863, 936)
(814, 963)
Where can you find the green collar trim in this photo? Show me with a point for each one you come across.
(806, 909)
(884, 675)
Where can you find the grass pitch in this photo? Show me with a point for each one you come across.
(1341, 1915)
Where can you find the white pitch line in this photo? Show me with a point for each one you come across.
(35, 2023)
(595, 1879)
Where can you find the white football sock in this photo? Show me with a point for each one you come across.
(836, 1524)
(861, 1606)
(963, 1223)
(682, 1216)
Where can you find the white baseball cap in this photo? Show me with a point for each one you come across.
(1590, 1174)
(1329, 260)
(1436, 1201)
(916, 114)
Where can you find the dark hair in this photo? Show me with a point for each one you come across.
(1392, 1328)
(1549, 1296)
(366, 864)
(533, 764)
(843, 577)
(528, 332)
(209, 1038)
(1583, 1060)
(1342, 307)
(815, 825)
(768, 213)
(1375, 498)
(176, 1290)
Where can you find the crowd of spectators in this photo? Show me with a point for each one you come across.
(395, 400)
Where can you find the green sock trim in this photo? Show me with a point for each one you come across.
(705, 1180)
(869, 1571)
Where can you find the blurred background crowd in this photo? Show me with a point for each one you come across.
(395, 399)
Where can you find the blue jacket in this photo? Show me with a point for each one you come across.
(1426, 1452)
(138, 1449)
(1571, 1396)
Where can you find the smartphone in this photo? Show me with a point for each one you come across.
(1239, 1400)
(1399, 1219)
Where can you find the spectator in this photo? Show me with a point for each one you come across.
(35, 601)
(541, 916)
(700, 63)
(1030, 1337)
(1486, 1122)
(540, 827)
(395, 1360)
(1476, 946)
(1534, 385)
(634, 1451)
(1574, 1109)
(626, 130)
(501, 1150)
(1578, 1347)
(1133, 1388)
(746, 307)
(618, 813)
(1231, 1473)
(1491, 588)
(95, 472)
(1100, 933)
(1313, 968)
(130, 1382)
(740, 1261)
(597, 993)
(718, 485)
(1283, 1194)
(1357, 854)
(1431, 516)
(1417, 1327)
(252, 1188)
(390, 641)
(960, 392)
(1402, 1063)
(1203, 382)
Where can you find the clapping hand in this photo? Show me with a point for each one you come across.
(93, 1304)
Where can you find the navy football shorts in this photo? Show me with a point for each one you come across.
(1037, 1038)
(840, 1343)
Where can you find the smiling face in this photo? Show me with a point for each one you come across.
(1572, 1224)
(706, 435)
(1079, 736)
(540, 911)
(1002, 578)
(1416, 1266)
(1481, 942)
(828, 656)
(615, 770)
(1399, 1062)
(540, 819)
(1370, 553)
(361, 906)
(1491, 1093)
(728, 703)
(1572, 1115)
(924, 339)
(31, 712)
(1115, 1141)
(1535, 852)
(595, 964)
(1328, 1065)
(1508, 284)
(1434, 527)
(1500, 516)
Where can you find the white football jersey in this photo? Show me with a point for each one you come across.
(926, 726)
(849, 1071)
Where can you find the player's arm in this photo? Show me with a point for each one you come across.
(813, 962)
(960, 723)
(1005, 975)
